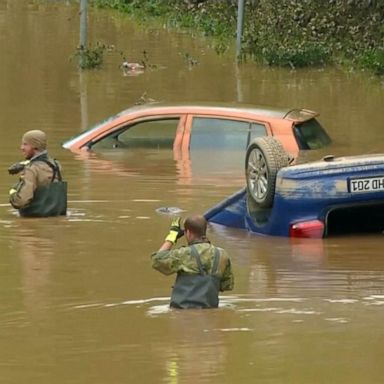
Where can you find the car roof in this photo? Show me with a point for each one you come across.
(233, 107)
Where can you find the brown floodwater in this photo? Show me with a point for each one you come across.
(80, 302)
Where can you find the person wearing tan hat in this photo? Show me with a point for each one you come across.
(40, 191)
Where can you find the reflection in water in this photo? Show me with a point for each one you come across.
(83, 100)
(81, 303)
(308, 250)
(35, 250)
(196, 349)
(204, 169)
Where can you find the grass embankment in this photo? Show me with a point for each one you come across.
(287, 33)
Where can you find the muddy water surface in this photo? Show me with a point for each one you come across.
(80, 302)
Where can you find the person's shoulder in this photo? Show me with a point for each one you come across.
(183, 250)
(221, 249)
(56, 163)
(52, 160)
(200, 247)
(31, 168)
(172, 252)
(39, 165)
(223, 252)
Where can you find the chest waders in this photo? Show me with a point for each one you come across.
(197, 290)
(49, 200)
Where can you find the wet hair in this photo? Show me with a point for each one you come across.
(196, 224)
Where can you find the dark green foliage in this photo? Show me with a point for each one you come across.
(295, 57)
(373, 60)
(147, 8)
(90, 57)
(311, 32)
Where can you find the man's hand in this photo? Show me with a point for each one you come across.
(16, 168)
(175, 232)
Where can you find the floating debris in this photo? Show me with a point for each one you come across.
(170, 210)
(144, 99)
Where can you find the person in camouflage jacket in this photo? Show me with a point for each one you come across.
(203, 270)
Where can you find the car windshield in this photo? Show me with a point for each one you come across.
(311, 135)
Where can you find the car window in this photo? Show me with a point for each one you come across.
(159, 133)
(257, 130)
(311, 135)
(218, 133)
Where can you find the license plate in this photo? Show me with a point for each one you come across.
(369, 184)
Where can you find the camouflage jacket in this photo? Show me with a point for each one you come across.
(181, 260)
(36, 174)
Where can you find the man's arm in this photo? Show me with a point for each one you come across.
(22, 193)
(165, 260)
(227, 280)
(167, 245)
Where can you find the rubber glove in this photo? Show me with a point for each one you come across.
(17, 167)
(175, 232)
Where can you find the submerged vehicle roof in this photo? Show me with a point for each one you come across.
(296, 114)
